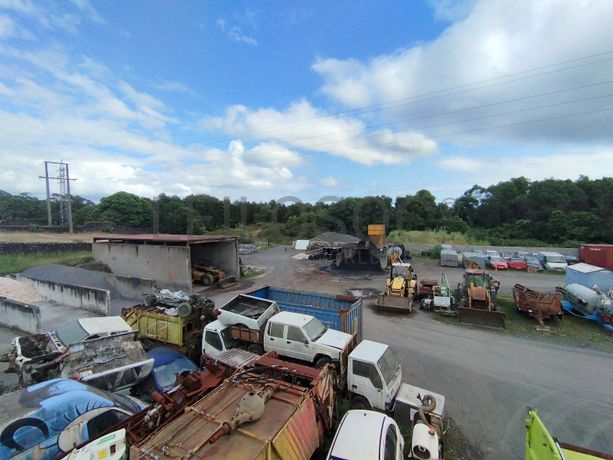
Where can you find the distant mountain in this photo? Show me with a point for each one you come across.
(3, 193)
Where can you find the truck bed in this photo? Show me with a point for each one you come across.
(244, 309)
(340, 312)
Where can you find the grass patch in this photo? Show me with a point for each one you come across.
(569, 330)
(253, 273)
(15, 263)
(433, 237)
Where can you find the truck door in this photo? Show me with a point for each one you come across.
(212, 343)
(366, 381)
(275, 339)
(297, 344)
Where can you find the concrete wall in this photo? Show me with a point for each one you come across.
(169, 266)
(86, 298)
(131, 287)
(217, 255)
(20, 316)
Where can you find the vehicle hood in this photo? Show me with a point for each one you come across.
(335, 339)
(499, 263)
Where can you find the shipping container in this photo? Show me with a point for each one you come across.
(589, 275)
(340, 312)
(600, 255)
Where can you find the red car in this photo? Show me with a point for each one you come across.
(496, 263)
(517, 264)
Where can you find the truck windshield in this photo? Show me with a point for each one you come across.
(71, 333)
(556, 259)
(314, 329)
(388, 363)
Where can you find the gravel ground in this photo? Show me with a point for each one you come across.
(20, 291)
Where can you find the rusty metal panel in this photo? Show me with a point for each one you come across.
(188, 435)
(162, 238)
(299, 438)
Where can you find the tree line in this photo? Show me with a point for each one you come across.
(517, 211)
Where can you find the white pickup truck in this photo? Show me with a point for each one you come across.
(370, 370)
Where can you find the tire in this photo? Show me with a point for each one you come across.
(255, 348)
(360, 403)
(184, 309)
(151, 300)
(322, 361)
(207, 279)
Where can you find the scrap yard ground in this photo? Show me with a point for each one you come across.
(489, 377)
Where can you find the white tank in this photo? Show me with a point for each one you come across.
(590, 298)
(424, 443)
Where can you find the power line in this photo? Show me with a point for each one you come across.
(434, 95)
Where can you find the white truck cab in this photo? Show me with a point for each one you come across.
(306, 338)
(292, 335)
(552, 261)
(365, 434)
(374, 376)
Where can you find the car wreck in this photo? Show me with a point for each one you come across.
(103, 352)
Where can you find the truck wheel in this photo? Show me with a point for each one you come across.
(207, 279)
(321, 362)
(360, 402)
(151, 300)
(255, 348)
(184, 309)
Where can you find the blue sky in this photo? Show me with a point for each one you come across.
(306, 99)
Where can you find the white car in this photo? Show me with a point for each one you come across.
(364, 435)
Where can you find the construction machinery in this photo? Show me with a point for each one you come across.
(400, 289)
(478, 292)
(539, 305)
(209, 276)
(541, 445)
(440, 300)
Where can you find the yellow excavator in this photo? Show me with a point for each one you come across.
(400, 289)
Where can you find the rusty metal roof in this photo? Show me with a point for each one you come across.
(164, 238)
(288, 426)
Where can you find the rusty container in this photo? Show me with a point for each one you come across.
(376, 232)
(600, 255)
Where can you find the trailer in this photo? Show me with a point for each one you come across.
(272, 410)
(539, 305)
(339, 312)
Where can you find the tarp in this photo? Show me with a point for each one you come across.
(301, 245)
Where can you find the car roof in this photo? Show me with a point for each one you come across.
(163, 355)
(104, 324)
(359, 435)
(45, 398)
(369, 351)
(550, 253)
(291, 318)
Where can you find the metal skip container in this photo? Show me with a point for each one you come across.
(275, 410)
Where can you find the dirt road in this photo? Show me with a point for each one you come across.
(489, 379)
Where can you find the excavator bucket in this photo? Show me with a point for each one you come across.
(479, 317)
(227, 282)
(394, 303)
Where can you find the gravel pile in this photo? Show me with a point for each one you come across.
(71, 275)
(19, 291)
(332, 239)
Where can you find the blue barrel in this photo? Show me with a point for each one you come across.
(340, 312)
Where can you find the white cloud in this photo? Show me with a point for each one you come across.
(50, 16)
(115, 136)
(9, 29)
(594, 164)
(496, 37)
(235, 33)
(303, 126)
(172, 87)
(329, 182)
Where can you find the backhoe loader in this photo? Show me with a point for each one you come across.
(400, 289)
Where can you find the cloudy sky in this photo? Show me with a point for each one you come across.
(309, 99)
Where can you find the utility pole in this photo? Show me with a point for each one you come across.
(65, 198)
